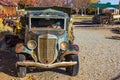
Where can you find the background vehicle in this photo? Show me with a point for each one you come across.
(105, 18)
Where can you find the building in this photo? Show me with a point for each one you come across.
(7, 8)
(108, 7)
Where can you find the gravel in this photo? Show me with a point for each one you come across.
(99, 53)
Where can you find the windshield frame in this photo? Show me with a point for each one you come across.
(47, 17)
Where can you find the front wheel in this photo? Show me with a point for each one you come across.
(72, 70)
(21, 70)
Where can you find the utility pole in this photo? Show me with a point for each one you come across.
(98, 9)
(119, 7)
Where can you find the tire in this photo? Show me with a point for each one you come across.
(21, 70)
(72, 70)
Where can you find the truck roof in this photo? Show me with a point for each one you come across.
(54, 8)
(47, 13)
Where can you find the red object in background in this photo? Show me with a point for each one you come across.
(1, 15)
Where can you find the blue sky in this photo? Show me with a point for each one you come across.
(111, 1)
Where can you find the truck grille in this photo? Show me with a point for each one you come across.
(46, 50)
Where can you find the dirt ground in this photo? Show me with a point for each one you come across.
(99, 59)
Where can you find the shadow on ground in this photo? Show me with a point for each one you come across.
(7, 63)
(114, 37)
(116, 78)
(83, 22)
(86, 23)
(116, 30)
(56, 70)
(7, 58)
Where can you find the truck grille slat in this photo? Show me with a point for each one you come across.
(47, 49)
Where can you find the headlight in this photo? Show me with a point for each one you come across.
(32, 44)
(64, 45)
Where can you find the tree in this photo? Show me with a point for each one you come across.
(81, 4)
(25, 3)
(47, 3)
(76, 4)
(94, 1)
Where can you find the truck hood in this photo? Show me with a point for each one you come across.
(59, 33)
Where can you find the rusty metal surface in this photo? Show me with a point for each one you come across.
(47, 49)
(46, 66)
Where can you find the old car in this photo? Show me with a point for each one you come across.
(48, 42)
(104, 18)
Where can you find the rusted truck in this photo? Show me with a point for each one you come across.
(48, 42)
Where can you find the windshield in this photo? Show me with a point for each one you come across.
(47, 23)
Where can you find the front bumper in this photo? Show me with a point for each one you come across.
(46, 66)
